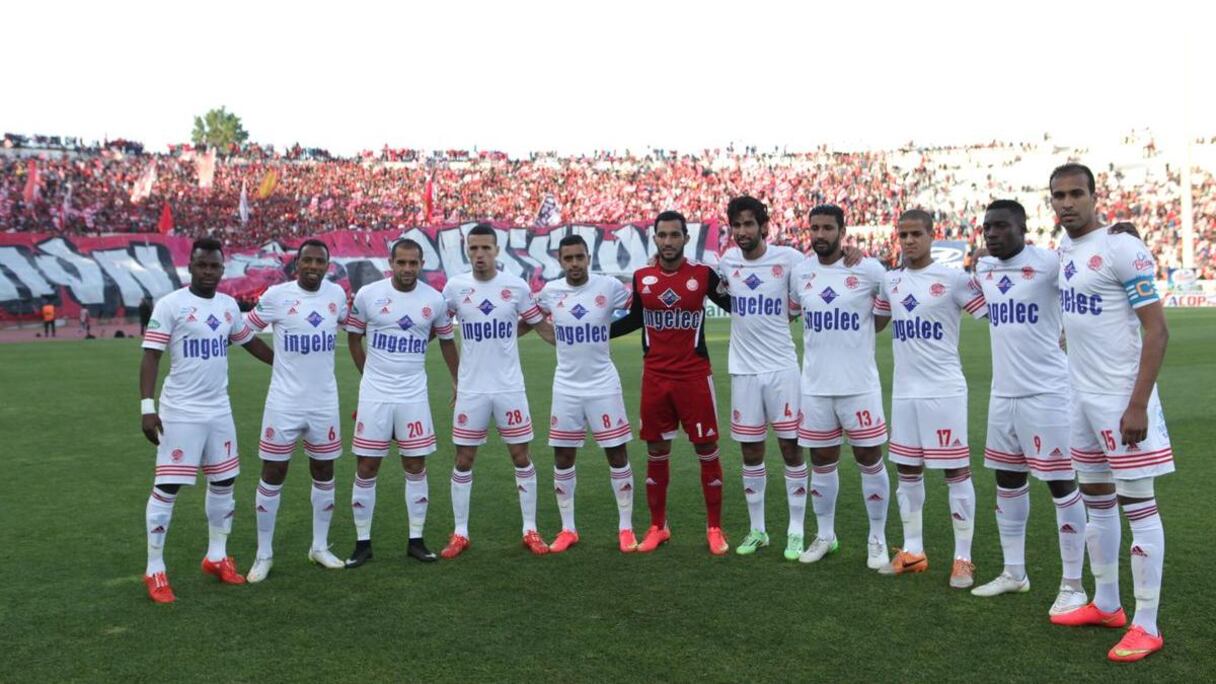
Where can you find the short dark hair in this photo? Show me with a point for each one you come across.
(671, 215)
(830, 210)
(918, 215)
(313, 242)
(207, 244)
(484, 229)
(1012, 206)
(571, 241)
(738, 205)
(404, 243)
(1072, 168)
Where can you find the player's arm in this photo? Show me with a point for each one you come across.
(242, 333)
(1125, 228)
(882, 303)
(260, 351)
(852, 256)
(149, 367)
(1134, 423)
(451, 356)
(633, 320)
(716, 293)
(354, 340)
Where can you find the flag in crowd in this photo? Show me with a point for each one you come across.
(243, 209)
(550, 214)
(269, 181)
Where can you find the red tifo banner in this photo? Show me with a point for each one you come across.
(112, 274)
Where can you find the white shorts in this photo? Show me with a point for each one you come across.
(320, 430)
(1097, 446)
(187, 446)
(378, 423)
(1037, 425)
(930, 432)
(571, 415)
(826, 420)
(763, 398)
(472, 418)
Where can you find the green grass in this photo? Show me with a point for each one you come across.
(78, 472)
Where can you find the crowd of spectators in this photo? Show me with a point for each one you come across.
(88, 189)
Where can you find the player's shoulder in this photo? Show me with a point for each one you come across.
(733, 255)
(331, 289)
(505, 279)
(1123, 242)
(371, 288)
(226, 301)
(868, 266)
(786, 254)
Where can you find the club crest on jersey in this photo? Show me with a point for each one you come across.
(777, 271)
(213, 322)
(909, 302)
(937, 289)
(752, 282)
(333, 308)
(1142, 262)
(315, 319)
(426, 312)
(692, 285)
(1070, 270)
(359, 428)
(851, 282)
(1004, 284)
(228, 316)
(828, 294)
(1028, 273)
(176, 455)
(552, 421)
(405, 323)
(506, 295)
(578, 311)
(669, 298)
(649, 280)
(269, 433)
(601, 301)
(486, 306)
(462, 419)
(736, 415)
(1095, 262)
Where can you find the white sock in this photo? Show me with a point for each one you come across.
(363, 506)
(622, 489)
(220, 508)
(1103, 535)
(825, 485)
(754, 479)
(266, 511)
(322, 497)
(911, 495)
(962, 513)
(525, 484)
(157, 515)
(876, 490)
(1148, 556)
(1070, 521)
(795, 496)
(417, 496)
(1012, 511)
(462, 488)
(564, 482)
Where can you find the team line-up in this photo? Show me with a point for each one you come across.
(1087, 422)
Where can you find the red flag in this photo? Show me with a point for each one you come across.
(428, 199)
(32, 184)
(165, 224)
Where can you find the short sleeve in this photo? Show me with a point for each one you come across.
(882, 300)
(241, 333)
(968, 295)
(1135, 268)
(442, 325)
(875, 274)
(620, 295)
(356, 319)
(544, 300)
(449, 298)
(343, 311)
(527, 307)
(263, 314)
(160, 326)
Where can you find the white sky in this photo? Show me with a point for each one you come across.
(579, 76)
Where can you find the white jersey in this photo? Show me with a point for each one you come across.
(837, 304)
(1103, 279)
(1023, 298)
(760, 340)
(398, 327)
(488, 313)
(926, 306)
(306, 328)
(196, 332)
(581, 317)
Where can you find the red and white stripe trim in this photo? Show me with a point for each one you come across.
(272, 448)
(1004, 457)
(1071, 501)
(905, 450)
(1140, 459)
(748, 429)
(324, 486)
(1141, 513)
(443, 329)
(1100, 502)
(1013, 493)
(465, 477)
(1049, 464)
(158, 337)
(975, 304)
(255, 320)
(241, 336)
(566, 434)
(269, 492)
(615, 432)
(785, 424)
(417, 443)
(365, 484)
(1081, 456)
(516, 431)
(472, 434)
(328, 448)
(820, 434)
(868, 433)
(419, 476)
(176, 470)
(225, 466)
(824, 470)
(162, 498)
(370, 443)
(872, 469)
